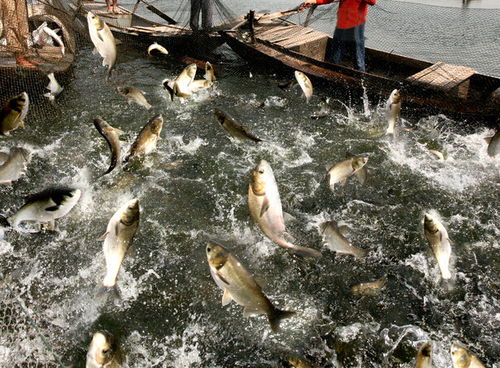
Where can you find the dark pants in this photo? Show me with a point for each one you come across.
(205, 6)
(349, 43)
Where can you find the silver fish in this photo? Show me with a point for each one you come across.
(209, 72)
(146, 141)
(264, 204)
(341, 171)
(46, 206)
(235, 129)
(200, 84)
(239, 285)
(424, 356)
(305, 84)
(156, 47)
(56, 38)
(103, 40)
(118, 237)
(133, 94)
(298, 362)
(180, 87)
(112, 138)
(463, 358)
(392, 111)
(494, 144)
(54, 88)
(337, 242)
(103, 352)
(14, 166)
(13, 113)
(437, 236)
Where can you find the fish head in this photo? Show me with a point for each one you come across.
(188, 74)
(426, 350)
(429, 223)
(101, 125)
(19, 102)
(261, 175)
(100, 349)
(359, 162)
(95, 21)
(209, 67)
(156, 124)
(216, 255)
(395, 96)
(460, 356)
(71, 195)
(123, 90)
(299, 75)
(130, 213)
(20, 152)
(220, 115)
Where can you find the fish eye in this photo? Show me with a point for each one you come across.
(261, 171)
(105, 351)
(209, 249)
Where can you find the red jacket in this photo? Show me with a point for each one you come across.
(351, 13)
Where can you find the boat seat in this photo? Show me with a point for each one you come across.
(444, 77)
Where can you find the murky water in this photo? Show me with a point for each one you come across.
(170, 313)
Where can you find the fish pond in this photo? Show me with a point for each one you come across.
(193, 189)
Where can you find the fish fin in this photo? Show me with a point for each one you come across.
(226, 297)
(265, 207)
(103, 236)
(247, 312)
(306, 252)
(52, 208)
(169, 89)
(288, 218)
(21, 124)
(288, 237)
(362, 175)
(344, 230)
(276, 316)
(222, 278)
(94, 51)
(4, 221)
(488, 140)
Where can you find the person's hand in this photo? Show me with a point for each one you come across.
(306, 4)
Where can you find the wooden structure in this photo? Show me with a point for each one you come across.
(132, 28)
(439, 87)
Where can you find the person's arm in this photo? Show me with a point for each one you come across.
(308, 3)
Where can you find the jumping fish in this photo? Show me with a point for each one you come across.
(462, 358)
(118, 237)
(265, 208)
(209, 72)
(437, 236)
(54, 88)
(14, 166)
(392, 111)
(239, 285)
(369, 288)
(112, 138)
(180, 87)
(103, 352)
(157, 47)
(424, 356)
(146, 141)
(134, 95)
(494, 144)
(337, 242)
(340, 172)
(46, 206)
(103, 40)
(200, 84)
(13, 113)
(297, 362)
(305, 84)
(234, 129)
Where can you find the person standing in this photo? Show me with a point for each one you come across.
(349, 35)
(205, 6)
(108, 4)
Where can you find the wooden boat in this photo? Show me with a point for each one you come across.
(23, 66)
(435, 87)
(132, 28)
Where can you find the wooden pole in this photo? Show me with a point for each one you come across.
(14, 15)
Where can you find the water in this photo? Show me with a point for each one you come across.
(170, 313)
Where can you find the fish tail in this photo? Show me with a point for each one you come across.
(4, 221)
(301, 251)
(276, 316)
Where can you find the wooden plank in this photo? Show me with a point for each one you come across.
(442, 76)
